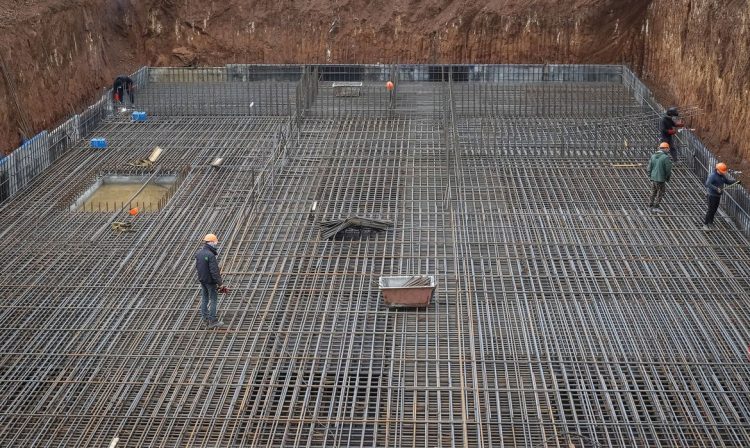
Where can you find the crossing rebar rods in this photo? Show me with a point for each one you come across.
(333, 227)
(565, 310)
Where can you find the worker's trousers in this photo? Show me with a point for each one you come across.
(673, 151)
(713, 205)
(657, 192)
(123, 96)
(208, 301)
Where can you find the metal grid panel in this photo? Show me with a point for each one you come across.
(266, 98)
(564, 311)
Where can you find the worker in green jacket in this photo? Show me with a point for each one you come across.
(659, 171)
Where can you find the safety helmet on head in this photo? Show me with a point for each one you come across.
(721, 167)
(672, 112)
(663, 145)
(210, 238)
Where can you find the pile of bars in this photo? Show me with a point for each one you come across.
(417, 280)
(332, 228)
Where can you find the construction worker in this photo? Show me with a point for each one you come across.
(715, 186)
(122, 90)
(669, 124)
(209, 276)
(659, 171)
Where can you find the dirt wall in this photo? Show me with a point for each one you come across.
(361, 31)
(697, 53)
(58, 57)
(63, 53)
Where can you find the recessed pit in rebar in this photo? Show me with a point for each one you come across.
(113, 192)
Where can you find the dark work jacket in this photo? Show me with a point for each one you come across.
(668, 128)
(207, 266)
(716, 181)
(123, 82)
(123, 86)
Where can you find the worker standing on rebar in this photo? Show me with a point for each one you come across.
(659, 171)
(669, 124)
(122, 90)
(209, 276)
(715, 186)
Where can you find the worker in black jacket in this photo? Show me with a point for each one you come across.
(209, 276)
(668, 128)
(122, 90)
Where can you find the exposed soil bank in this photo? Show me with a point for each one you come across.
(697, 52)
(61, 54)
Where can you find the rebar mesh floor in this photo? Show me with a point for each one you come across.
(566, 313)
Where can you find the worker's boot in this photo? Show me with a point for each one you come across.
(215, 324)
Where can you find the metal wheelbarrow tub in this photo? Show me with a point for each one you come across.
(397, 291)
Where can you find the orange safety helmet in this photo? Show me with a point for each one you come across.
(721, 167)
(663, 145)
(210, 238)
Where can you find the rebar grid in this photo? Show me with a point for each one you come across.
(564, 311)
(262, 98)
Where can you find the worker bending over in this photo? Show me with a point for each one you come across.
(122, 90)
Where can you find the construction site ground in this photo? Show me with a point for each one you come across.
(566, 312)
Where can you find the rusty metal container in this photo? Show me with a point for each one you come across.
(396, 294)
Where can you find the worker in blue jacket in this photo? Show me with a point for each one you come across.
(209, 275)
(715, 185)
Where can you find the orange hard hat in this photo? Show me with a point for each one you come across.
(721, 167)
(210, 238)
(663, 145)
(133, 211)
(389, 85)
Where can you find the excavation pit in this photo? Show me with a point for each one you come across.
(113, 192)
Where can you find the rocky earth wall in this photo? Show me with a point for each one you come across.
(697, 52)
(61, 54)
